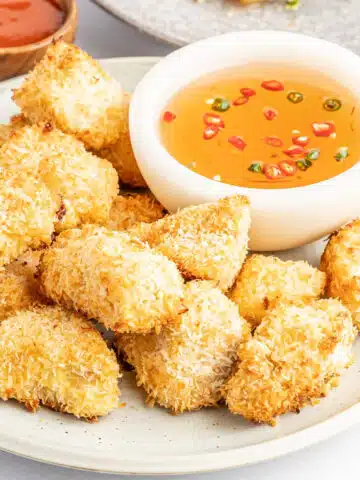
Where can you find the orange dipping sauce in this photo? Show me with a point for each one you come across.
(23, 22)
(264, 126)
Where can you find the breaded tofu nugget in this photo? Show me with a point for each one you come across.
(6, 130)
(83, 185)
(265, 280)
(112, 277)
(70, 89)
(207, 242)
(58, 359)
(341, 262)
(121, 154)
(128, 210)
(294, 359)
(185, 367)
(27, 215)
(19, 285)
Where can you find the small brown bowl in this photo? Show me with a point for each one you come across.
(18, 60)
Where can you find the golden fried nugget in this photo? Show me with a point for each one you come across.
(294, 359)
(128, 210)
(58, 359)
(6, 130)
(265, 280)
(19, 285)
(341, 262)
(207, 242)
(185, 367)
(83, 185)
(121, 154)
(112, 277)
(70, 89)
(27, 215)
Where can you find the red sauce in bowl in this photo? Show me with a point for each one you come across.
(23, 22)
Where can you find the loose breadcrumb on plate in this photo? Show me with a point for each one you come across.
(112, 277)
(186, 365)
(294, 359)
(58, 359)
(266, 280)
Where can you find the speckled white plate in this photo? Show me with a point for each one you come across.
(140, 440)
(185, 21)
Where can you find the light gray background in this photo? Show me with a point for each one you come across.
(103, 36)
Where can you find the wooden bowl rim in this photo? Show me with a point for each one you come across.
(70, 22)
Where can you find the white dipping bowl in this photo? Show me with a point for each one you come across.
(283, 218)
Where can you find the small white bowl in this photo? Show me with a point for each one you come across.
(281, 219)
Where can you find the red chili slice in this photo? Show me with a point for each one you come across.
(288, 167)
(270, 113)
(273, 86)
(169, 116)
(237, 142)
(247, 92)
(274, 141)
(324, 129)
(214, 120)
(295, 151)
(301, 140)
(240, 101)
(272, 171)
(210, 132)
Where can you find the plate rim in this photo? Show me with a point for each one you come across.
(180, 464)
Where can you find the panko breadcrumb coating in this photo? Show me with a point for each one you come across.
(121, 154)
(58, 359)
(6, 130)
(294, 359)
(27, 215)
(128, 210)
(265, 280)
(19, 285)
(207, 242)
(185, 367)
(83, 185)
(112, 277)
(341, 262)
(70, 89)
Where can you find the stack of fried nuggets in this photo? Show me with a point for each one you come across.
(178, 291)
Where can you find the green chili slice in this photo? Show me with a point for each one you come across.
(295, 97)
(255, 167)
(220, 105)
(332, 105)
(342, 154)
(313, 154)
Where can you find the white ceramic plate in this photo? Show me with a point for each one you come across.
(140, 440)
(185, 21)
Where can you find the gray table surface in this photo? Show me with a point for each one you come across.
(103, 36)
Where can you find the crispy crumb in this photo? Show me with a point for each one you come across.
(185, 366)
(341, 263)
(121, 154)
(266, 280)
(207, 242)
(295, 357)
(112, 277)
(69, 89)
(58, 359)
